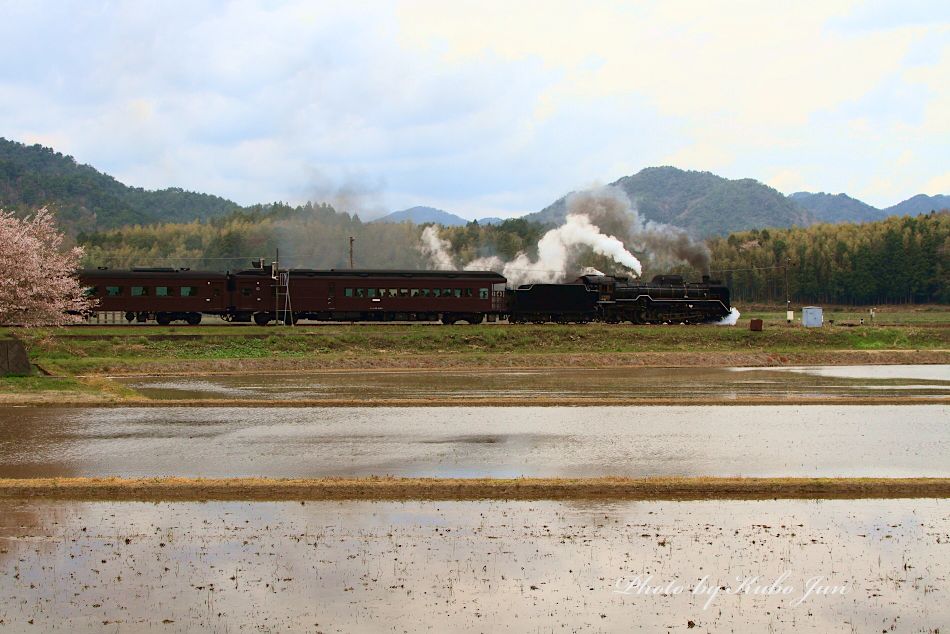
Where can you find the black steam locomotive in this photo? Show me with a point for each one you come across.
(614, 299)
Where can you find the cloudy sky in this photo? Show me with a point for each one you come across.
(482, 108)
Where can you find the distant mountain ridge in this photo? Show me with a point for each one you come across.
(843, 208)
(421, 215)
(837, 207)
(700, 202)
(919, 204)
(85, 199)
(706, 204)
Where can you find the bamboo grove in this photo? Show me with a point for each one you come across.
(898, 260)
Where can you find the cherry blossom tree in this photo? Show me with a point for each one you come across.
(37, 276)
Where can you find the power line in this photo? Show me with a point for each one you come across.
(754, 268)
(237, 257)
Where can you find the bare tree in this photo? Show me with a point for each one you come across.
(37, 276)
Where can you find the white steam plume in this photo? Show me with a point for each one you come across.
(731, 319)
(555, 251)
(436, 249)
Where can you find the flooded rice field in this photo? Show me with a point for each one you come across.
(832, 566)
(593, 384)
(785, 440)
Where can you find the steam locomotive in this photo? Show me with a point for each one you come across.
(165, 295)
(616, 299)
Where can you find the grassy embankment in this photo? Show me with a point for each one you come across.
(53, 389)
(97, 350)
(387, 488)
(79, 357)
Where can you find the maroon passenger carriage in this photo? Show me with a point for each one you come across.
(372, 295)
(162, 294)
(167, 295)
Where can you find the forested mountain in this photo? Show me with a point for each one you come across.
(837, 208)
(85, 199)
(700, 202)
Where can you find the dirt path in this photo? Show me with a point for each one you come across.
(262, 489)
(70, 400)
(671, 359)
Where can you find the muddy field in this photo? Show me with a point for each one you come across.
(473, 442)
(476, 566)
(387, 488)
(575, 384)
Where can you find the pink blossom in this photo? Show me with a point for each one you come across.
(37, 276)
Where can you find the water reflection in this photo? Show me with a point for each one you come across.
(822, 440)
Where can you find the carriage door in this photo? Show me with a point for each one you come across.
(498, 301)
(606, 291)
(331, 295)
(254, 296)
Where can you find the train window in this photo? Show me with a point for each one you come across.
(414, 292)
(382, 292)
(192, 291)
(404, 292)
(469, 292)
(458, 292)
(483, 293)
(113, 291)
(371, 292)
(245, 291)
(90, 291)
(436, 292)
(424, 292)
(446, 292)
(140, 291)
(347, 292)
(361, 292)
(393, 292)
(161, 291)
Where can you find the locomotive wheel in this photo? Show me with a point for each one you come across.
(130, 317)
(193, 319)
(163, 319)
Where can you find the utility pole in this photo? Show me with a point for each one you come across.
(789, 315)
(352, 240)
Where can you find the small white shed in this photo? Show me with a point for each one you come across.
(812, 317)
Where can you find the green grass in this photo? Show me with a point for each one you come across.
(91, 349)
(854, 316)
(39, 384)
